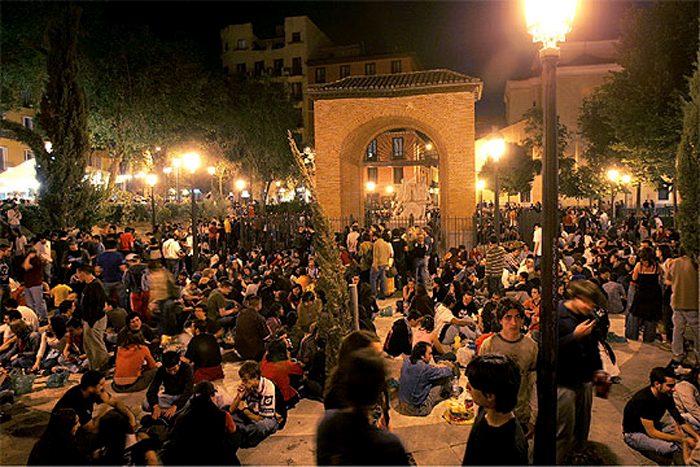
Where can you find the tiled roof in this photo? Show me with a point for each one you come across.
(416, 82)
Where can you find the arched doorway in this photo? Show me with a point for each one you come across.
(435, 107)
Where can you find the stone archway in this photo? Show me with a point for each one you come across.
(350, 112)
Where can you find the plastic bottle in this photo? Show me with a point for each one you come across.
(458, 342)
(455, 387)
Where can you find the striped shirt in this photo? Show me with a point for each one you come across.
(495, 261)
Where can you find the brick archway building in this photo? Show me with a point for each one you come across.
(351, 112)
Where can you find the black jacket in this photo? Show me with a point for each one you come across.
(398, 340)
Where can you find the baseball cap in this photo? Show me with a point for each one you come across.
(131, 257)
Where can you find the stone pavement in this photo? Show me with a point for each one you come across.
(431, 440)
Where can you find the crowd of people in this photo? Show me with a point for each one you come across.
(132, 315)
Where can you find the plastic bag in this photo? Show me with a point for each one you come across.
(21, 383)
(57, 380)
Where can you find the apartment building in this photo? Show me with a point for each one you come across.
(283, 56)
(13, 153)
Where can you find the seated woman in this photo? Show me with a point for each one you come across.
(58, 444)
(25, 347)
(426, 333)
(133, 357)
(53, 341)
(281, 370)
(119, 445)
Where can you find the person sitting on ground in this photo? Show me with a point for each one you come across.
(204, 434)
(448, 326)
(309, 310)
(53, 341)
(82, 398)
(687, 398)
(422, 303)
(422, 385)
(74, 358)
(213, 326)
(134, 324)
(205, 355)
(176, 378)
(135, 367)
(220, 308)
(256, 406)
(426, 333)
(400, 338)
(642, 424)
(344, 437)
(25, 347)
(251, 331)
(119, 445)
(278, 367)
(58, 445)
(496, 437)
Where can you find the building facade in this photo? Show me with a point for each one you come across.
(283, 57)
(13, 153)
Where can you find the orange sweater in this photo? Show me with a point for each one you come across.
(130, 362)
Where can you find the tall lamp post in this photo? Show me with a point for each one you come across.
(480, 185)
(191, 162)
(152, 179)
(177, 163)
(211, 170)
(548, 21)
(495, 149)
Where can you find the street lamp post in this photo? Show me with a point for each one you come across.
(191, 163)
(548, 21)
(480, 184)
(152, 179)
(177, 163)
(496, 148)
(211, 170)
(166, 189)
(626, 181)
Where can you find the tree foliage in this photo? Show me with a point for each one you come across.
(634, 118)
(516, 170)
(688, 164)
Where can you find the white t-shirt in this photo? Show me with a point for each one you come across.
(537, 240)
(443, 316)
(262, 400)
(29, 317)
(171, 249)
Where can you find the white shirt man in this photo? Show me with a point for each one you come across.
(171, 249)
(537, 240)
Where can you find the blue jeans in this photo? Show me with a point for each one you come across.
(645, 444)
(35, 301)
(421, 270)
(254, 433)
(379, 273)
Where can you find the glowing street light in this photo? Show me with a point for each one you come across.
(429, 147)
(211, 170)
(549, 21)
(626, 179)
(191, 161)
(240, 185)
(390, 189)
(371, 186)
(613, 175)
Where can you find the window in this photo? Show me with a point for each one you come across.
(370, 68)
(663, 194)
(344, 71)
(396, 66)
(296, 91)
(397, 144)
(296, 37)
(321, 74)
(277, 66)
(398, 175)
(28, 154)
(28, 122)
(526, 197)
(296, 66)
(3, 158)
(372, 150)
(241, 44)
(372, 174)
(240, 68)
(259, 68)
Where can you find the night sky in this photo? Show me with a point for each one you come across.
(485, 38)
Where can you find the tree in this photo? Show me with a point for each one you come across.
(634, 117)
(516, 170)
(688, 164)
(335, 322)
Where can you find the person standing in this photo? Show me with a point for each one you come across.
(682, 276)
(92, 306)
(495, 263)
(110, 266)
(251, 331)
(537, 243)
(33, 284)
(382, 253)
(647, 302)
(14, 218)
(511, 341)
(578, 366)
(5, 272)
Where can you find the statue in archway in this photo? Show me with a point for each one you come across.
(412, 198)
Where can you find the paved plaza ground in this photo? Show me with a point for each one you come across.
(431, 440)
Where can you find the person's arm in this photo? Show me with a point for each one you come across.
(188, 387)
(27, 261)
(40, 353)
(150, 361)
(152, 392)
(119, 406)
(652, 432)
